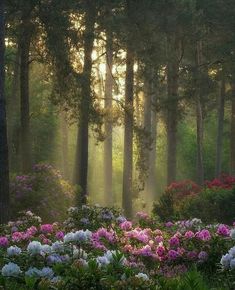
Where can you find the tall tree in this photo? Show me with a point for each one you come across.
(220, 127)
(81, 161)
(127, 190)
(108, 142)
(25, 40)
(172, 105)
(4, 167)
(199, 115)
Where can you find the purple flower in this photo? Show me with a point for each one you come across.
(173, 255)
(203, 256)
(223, 230)
(4, 242)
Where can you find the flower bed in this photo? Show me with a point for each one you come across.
(120, 255)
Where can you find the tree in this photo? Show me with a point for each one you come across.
(4, 167)
(108, 142)
(81, 160)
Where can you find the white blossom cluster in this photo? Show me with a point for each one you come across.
(228, 260)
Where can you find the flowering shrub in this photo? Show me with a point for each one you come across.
(121, 255)
(186, 200)
(173, 196)
(43, 191)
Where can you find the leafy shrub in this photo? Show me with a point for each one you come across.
(167, 206)
(43, 191)
(211, 205)
(92, 217)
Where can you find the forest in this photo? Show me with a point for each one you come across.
(117, 144)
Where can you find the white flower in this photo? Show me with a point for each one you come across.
(47, 272)
(232, 251)
(11, 270)
(142, 276)
(232, 234)
(56, 279)
(232, 264)
(225, 260)
(79, 253)
(13, 251)
(46, 249)
(82, 236)
(83, 262)
(58, 247)
(68, 238)
(102, 261)
(34, 248)
(33, 272)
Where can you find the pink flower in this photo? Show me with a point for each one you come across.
(17, 236)
(126, 225)
(145, 251)
(174, 241)
(46, 229)
(203, 235)
(169, 224)
(223, 230)
(32, 231)
(142, 215)
(159, 239)
(173, 255)
(59, 235)
(4, 242)
(189, 234)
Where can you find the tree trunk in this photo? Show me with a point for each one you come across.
(4, 167)
(13, 122)
(220, 129)
(128, 135)
(172, 110)
(65, 145)
(26, 154)
(108, 142)
(200, 167)
(81, 161)
(232, 132)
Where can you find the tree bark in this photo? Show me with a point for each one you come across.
(65, 145)
(4, 166)
(220, 128)
(128, 135)
(172, 109)
(108, 142)
(232, 132)
(13, 122)
(199, 116)
(81, 161)
(26, 154)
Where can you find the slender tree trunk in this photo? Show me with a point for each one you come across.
(65, 145)
(4, 167)
(108, 142)
(172, 111)
(128, 135)
(220, 129)
(81, 161)
(25, 40)
(200, 167)
(13, 110)
(232, 132)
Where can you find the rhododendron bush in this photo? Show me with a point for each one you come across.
(43, 191)
(213, 202)
(116, 253)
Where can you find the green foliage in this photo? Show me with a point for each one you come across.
(211, 205)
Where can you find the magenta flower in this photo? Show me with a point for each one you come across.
(17, 236)
(46, 229)
(160, 251)
(173, 255)
(223, 230)
(189, 235)
(4, 242)
(203, 235)
(174, 241)
(59, 235)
